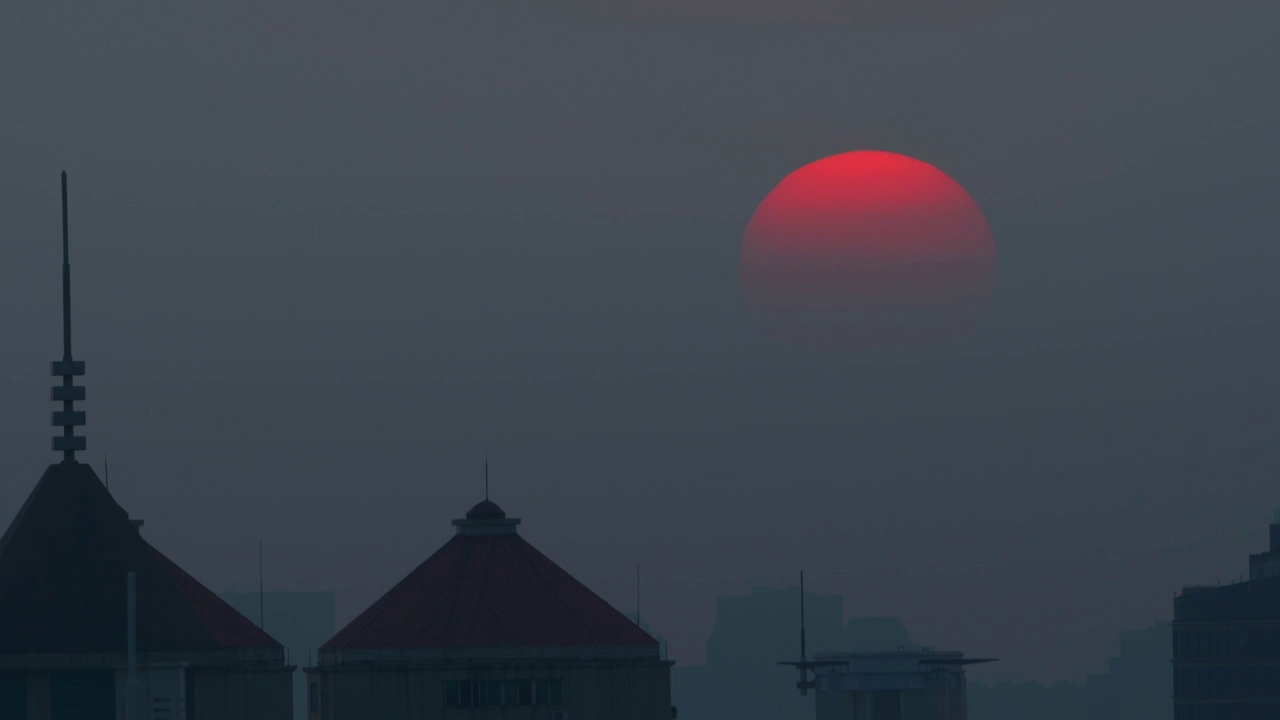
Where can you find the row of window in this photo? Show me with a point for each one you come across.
(1255, 681)
(1227, 711)
(491, 693)
(1216, 643)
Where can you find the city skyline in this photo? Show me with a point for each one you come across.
(310, 299)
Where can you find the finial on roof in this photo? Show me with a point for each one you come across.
(68, 369)
(486, 476)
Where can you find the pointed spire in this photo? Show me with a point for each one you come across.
(486, 476)
(68, 369)
(803, 649)
(638, 595)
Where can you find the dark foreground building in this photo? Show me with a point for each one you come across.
(64, 624)
(1226, 645)
(489, 627)
(63, 628)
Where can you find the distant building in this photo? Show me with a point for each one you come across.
(1226, 645)
(1137, 683)
(301, 621)
(64, 627)
(1027, 700)
(742, 678)
(489, 627)
(906, 685)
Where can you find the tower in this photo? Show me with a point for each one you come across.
(87, 604)
(68, 393)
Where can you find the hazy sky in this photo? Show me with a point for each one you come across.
(328, 254)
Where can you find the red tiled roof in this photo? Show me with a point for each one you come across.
(488, 590)
(63, 563)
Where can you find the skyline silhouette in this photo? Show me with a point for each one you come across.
(318, 276)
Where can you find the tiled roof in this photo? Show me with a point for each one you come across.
(63, 563)
(488, 589)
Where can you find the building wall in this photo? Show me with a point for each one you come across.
(1228, 671)
(89, 693)
(614, 690)
(231, 694)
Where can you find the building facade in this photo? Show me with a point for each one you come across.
(906, 685)
(1226, 645)
(489, 627)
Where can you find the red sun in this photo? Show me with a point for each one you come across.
(868, 249)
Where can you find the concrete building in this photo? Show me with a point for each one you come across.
(906, 685)
(64, 628)
(488, 627)
(1226, 645)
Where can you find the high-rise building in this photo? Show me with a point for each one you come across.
(490, 627)
(96, 624)
(1226, 645)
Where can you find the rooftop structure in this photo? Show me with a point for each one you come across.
(489, 622)
(908, 685)
(66, 633)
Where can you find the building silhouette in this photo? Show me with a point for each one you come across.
(1226, 645)
(301, 621)
(67, 644)
(918, 684)
(490, 627)
(1023, 700)
(1137, 683)
(742, 679)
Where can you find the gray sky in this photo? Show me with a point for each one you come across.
(326, 256)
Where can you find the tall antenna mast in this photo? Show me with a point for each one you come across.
(262, 602)
(637, 594)
(486, 476)
(68, 369)
(804, 664)
(804, 655)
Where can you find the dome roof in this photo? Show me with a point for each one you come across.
(486, 510)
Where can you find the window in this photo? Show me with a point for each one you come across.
(511, 690)
(313, 697)
(509, 693)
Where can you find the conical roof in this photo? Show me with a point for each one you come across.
(488, 587)
(63, 564)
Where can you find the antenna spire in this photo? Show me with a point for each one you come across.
(262, 602)
(803, 654)
(486, 476)
(638, 595)
(68, 369)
